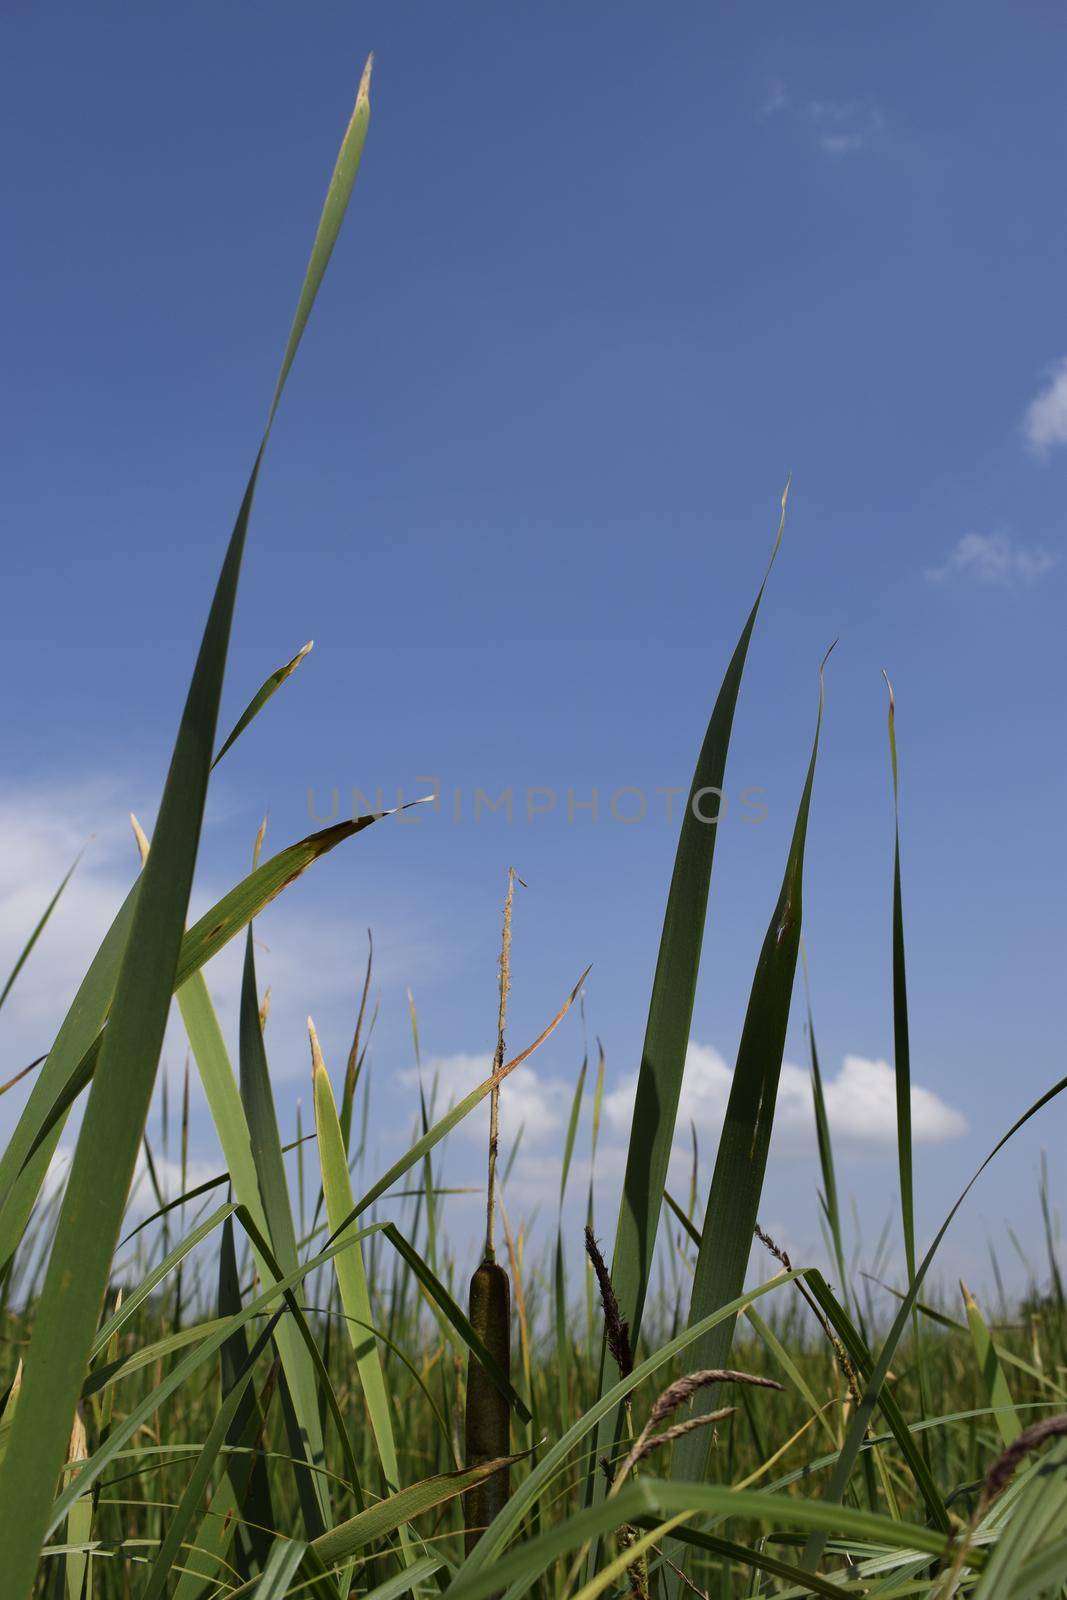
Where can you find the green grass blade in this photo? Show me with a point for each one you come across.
(36, 934)
(653, 1497)
(901, 1040)
(902, 1060)
(284, 1558)
(758, 1560)
(351, 1271)
(265, 692)
(22, 1166)
(670, 1012)
(257, 1098)
(863, 1363)
(348, 1538)
(135, 1298)
(106, 1151)
(338, 194)
(559, 1280)
(737, 1181)
(826, 1149)
(572, 1128)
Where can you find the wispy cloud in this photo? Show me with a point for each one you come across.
(1045, 422)
(840, 127)
(775, 98)
(993, 558)
(845, 126)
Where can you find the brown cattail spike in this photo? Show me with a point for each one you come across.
(488, 1418)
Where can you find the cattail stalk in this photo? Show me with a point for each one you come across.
(488, 1414)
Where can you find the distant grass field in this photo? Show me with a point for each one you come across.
(280, 1387)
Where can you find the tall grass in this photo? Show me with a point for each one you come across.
(287, 1395)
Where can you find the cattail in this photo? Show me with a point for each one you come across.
(488, 1416)
(488, 1419)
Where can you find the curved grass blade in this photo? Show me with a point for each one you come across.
(104, 1158)
(670, 1011)
(135, 1298)
(737, 1181)
(264, 693)
(348, 1538)
(654, 1497)
(759, 1561)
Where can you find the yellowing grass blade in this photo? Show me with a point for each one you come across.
(350, 1270)
(993, 1378)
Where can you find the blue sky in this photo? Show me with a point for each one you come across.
(610, 275)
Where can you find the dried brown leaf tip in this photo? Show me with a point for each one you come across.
(1029, 1440)
(616, 1330)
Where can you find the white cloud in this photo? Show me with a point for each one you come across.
(993, 558)
(860, 1103)
(1045, 422)
(860, 1100)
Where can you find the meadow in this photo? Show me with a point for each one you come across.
(278, 1384)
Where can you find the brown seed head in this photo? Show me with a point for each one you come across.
(616, 1330)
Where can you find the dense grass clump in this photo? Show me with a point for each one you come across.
(281, 1383)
